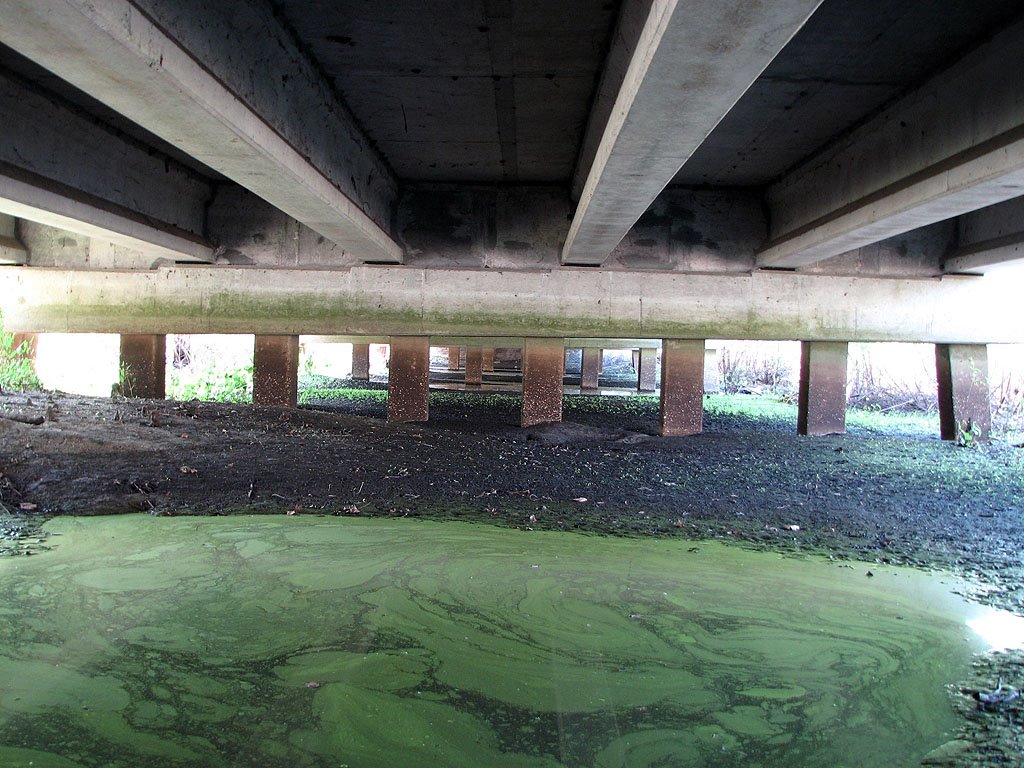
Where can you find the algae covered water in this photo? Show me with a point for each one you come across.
(241, 641)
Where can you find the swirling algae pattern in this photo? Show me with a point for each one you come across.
(302, 641)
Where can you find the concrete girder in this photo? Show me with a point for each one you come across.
(116, 53)
(27, 196)
(559, 304)
(990, 238)
(61, 168)
(12, 250)
(954, 145)
(672, 94)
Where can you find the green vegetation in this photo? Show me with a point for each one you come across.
(17, 369)
(217, 383)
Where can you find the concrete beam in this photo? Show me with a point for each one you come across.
(565, 302)
(120, 55)
(275, 371)
(28, 196)
(63, 168)
(12, 250)
(989, 239)
(954, 145)
(673, 93)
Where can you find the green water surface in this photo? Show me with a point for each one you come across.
(299, 641)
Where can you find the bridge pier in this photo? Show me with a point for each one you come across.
(144, 364)
(964, 399)
(275, 371)
(543, 370)
(822, 397)
(409, 379)
(682, 387)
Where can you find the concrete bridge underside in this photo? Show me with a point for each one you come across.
(655, 170)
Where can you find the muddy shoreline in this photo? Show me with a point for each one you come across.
(748, 479)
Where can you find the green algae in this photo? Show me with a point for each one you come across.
(296, 641)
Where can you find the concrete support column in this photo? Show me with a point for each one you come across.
(144, 364)
(964, 399)
(409, 379)
(590, 368)
(474, 366)
(275, 371)
(822, 399)
(488, 360)
(454, 353)
(682, 387)
(645, 374)
(361, 362)
(711, 379)
(543, 370)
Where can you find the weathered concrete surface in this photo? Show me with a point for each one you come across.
(12, 250)
(474, 366)
(454, 358)
(555, 304)
(672, 95)
(543, 370)
(144, 365)
(361, 362)
(964, 400)
(821, 405)
(29, 196)
(682, 387)
(294, 145)
(409, 379)
(590, 367)
(989, 239)
(487, 361)
(954, 145)
(275, 371)
(61, 167)
(523, 227)
(646, 370)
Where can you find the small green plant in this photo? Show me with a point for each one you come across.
(968, 434)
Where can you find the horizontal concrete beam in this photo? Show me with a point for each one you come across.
(12, 250)
(28, 196)
(62, 168)
(991, 238)
(954, 145)
(116, 53)
(690, 65)
(561, 303)
(494, 342)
